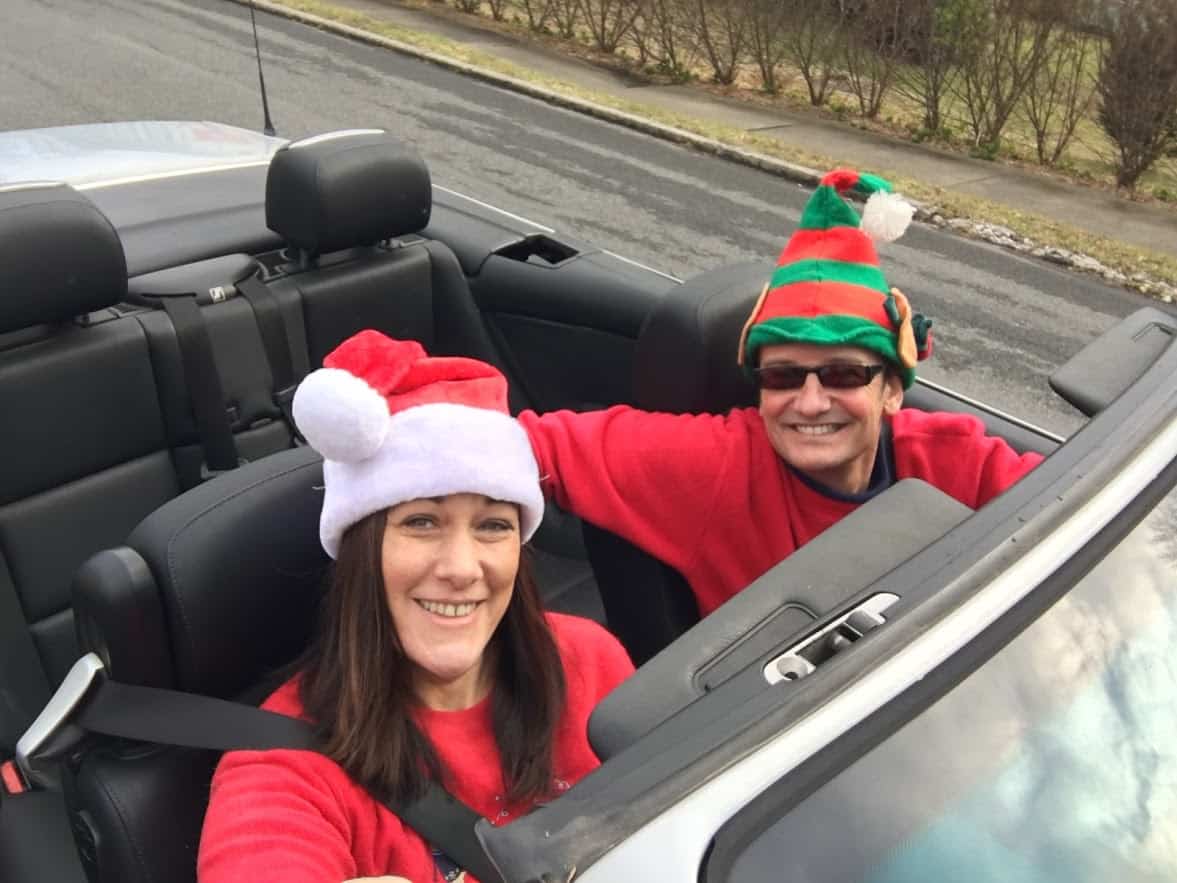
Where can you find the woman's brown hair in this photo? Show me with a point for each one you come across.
(357, 683)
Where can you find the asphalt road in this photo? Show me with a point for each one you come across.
(1002, 322)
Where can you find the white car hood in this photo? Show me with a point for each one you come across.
(100, 154)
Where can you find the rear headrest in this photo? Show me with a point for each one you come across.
(221, 585)
(60, 257)
(685, 362)
(346, 189)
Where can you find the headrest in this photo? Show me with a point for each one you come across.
(346, 189)
(685, 361)
(60, 257)
(229, 573)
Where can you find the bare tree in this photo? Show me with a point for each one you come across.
(870, 49)
(1060, 96)
(1008, 40)
(932, 39)
(566, 16)
(498, 8)
(720, 30)
(538, 12)
(661, 33)
(609, 21)
(767, 21)
(812, 45)
(1137, 85)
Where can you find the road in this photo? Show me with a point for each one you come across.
(1002, 322)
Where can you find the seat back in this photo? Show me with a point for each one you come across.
(685, 363)
(82, 445)
(238, 359)
(214, 593)
(351, 206)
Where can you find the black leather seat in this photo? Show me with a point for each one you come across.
(351, 206)
(213, 594)
(84, 457)
(685, 363)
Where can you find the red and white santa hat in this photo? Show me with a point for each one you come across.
(394, 425)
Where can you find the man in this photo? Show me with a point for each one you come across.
(832, 348)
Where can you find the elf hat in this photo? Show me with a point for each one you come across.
(394, 425)
(828, 289)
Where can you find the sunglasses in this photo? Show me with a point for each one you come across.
(836, 376)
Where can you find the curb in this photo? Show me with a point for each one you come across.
(794, 172)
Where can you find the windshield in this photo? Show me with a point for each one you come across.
(1055, 761)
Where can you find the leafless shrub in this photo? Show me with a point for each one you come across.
(566, 17)
(1005, 45)
(767, 20)
(720, 30)
(931, 39)
(498, 8)
(1060, 96)
(811, 41)
(1137, 85)
(470, 6)
(870, 50)
(538, 12)
(609, 21)
(661, 35)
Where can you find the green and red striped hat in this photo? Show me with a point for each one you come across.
(828, 289)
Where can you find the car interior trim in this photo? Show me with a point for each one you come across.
(692, 821)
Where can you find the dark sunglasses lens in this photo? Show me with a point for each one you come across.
(844, 376)
(781, 377)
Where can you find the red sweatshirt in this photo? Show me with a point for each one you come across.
(296, 816)
(708, 495)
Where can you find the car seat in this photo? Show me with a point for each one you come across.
(214, 593)
(685, 362)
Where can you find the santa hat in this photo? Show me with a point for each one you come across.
(828, 289)
(394, 425)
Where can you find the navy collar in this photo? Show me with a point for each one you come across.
(882, 476)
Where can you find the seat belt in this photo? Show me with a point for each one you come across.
(170, 717)
(276, 341)
(24, 688)
(204, 384)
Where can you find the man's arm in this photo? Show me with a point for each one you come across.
(953, 453)
(650, 478)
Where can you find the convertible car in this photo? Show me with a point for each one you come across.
(924, 692)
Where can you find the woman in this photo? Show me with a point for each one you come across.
(434, 659)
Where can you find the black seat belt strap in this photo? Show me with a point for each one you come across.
(203, 382)
(24, 688)
(169, 717)
(276, 340)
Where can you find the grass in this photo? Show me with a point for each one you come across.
(1123, 257)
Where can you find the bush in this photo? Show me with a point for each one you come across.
(1137, 85)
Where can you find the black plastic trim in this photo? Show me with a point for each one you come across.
(787, 793)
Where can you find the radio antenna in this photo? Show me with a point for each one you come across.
(267, 125)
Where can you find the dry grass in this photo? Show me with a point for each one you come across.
(1126, 258)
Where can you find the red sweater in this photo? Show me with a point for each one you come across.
(296, 816)
(708, 495)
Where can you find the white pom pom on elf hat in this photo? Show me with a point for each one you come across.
(394, 425)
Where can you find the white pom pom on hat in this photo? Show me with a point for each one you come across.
(340, 415)
(886, 216)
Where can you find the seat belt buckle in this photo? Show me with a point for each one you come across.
(43, 737)
(12, 780)
(207, 472)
